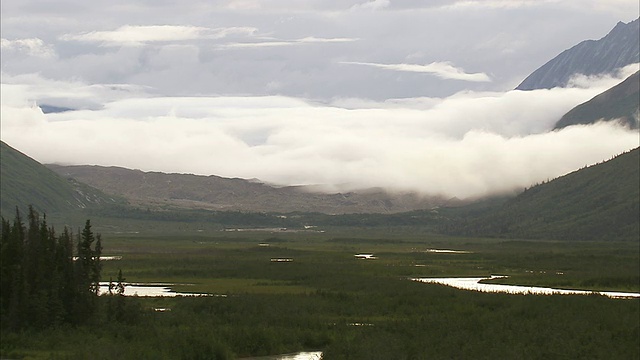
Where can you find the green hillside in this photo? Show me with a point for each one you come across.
(620, 102)
(24, 181)
(601, 202)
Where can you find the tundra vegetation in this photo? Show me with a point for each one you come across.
(327, 299)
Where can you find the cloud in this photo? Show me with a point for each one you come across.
(136, 35)
(444, 70)
(32, 47)
(466, 145)
(372, 5)
(161, 106)
(506, 44)
(498, 4)
(277, 43)
(586, 81)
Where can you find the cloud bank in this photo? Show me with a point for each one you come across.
(298, 48)
(277, 43)
(165, 86)
(444, 70)
(32, 47)
(467, 145)
(137, 35)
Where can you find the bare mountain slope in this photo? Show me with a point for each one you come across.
(617, 49)
(157, 190)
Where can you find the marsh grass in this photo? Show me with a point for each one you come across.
(238, 264)
(313, 302)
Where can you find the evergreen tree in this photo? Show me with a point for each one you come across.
(96, 266)
(12, 249)
(40, 283)
(120, 284)
(87, 273)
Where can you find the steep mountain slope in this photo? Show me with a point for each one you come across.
(620, 102)
(619, 48)
(601, 202)
(24, 181)
(160, 190)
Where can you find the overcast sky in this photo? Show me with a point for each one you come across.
(408, 95)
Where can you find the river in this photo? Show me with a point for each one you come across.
(473, 283)
(305, 355)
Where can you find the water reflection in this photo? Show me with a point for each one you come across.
(475, 284)
(148, 290)
(305, 355)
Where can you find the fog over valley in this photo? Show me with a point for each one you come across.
(330, 94)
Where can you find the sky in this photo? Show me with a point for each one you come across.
(405, 95)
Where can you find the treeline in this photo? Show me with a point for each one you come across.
(419, 218)
(43, 281)
(224, 218)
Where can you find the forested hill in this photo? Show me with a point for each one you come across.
(620, 102)
(25, 181)
(617, 49)
(601, 202)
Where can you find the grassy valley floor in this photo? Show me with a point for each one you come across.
(328, 300)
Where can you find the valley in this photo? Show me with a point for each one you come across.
(318, 300)
(415, 208)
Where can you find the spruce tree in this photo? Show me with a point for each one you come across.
(41, 285)
(87, 273)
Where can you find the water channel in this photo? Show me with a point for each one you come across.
(305, 355)
(473, 283)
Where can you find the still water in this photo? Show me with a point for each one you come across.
(148, 290)
(305, 355)
(473, 283)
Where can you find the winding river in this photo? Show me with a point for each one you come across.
(473, 283)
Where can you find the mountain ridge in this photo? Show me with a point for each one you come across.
(188, 191)
(620, 47)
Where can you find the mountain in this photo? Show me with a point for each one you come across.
(620, 102)
(600, 202)
(25, 181)
(617, 49)
(184, 191)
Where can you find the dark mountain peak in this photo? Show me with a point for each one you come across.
(620, 47)
(630, 26)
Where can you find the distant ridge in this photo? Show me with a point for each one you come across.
(24, 181)
(620, 102)
(619, 48)
(186, 191)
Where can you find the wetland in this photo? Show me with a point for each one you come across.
(328, 300)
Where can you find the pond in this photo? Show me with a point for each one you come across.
(305, 355)
(149, 290)
(473, 283)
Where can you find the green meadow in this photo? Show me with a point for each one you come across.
(328, 300)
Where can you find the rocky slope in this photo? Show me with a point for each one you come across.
(617, 49)
(160, 190)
